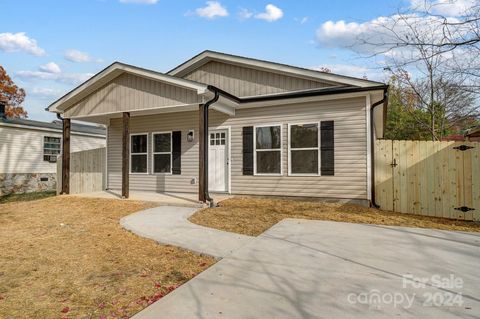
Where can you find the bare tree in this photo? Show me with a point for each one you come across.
(435, 57)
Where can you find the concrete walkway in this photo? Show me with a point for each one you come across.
(169, 225)
(319, 269)
(164, 199)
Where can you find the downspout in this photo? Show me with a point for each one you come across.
(205, 142)
(383, 101)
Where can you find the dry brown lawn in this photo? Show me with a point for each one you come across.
(68, 257)
(252, 216)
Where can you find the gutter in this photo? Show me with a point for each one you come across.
(383, 101)
(52, 130)
(319, 92)
(205, 142)
(299, 94)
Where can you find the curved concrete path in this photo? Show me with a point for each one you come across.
(169, 225)
(309, 269)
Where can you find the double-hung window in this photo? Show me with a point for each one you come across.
(139, 153)
(268, 145)
(162, 152)
(304, 149)
(51, 148)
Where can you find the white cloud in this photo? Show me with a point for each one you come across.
(449, 8)
(341, 33)
(377, 35)
(50, 67)
(44, 93)
(380, 35)
(212, 10)
(244, 14)
(139, 1)
(19, 42)
(77, 56)
(272, 13)
(68, 78)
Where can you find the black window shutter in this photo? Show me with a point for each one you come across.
(327, 148)
(248, 150)
(176, 152)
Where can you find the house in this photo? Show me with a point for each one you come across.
(231, 124)
(29, 150)
(473, 134)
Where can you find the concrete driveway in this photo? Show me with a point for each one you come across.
(318, 269)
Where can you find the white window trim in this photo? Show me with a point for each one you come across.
(130, 153)
(290, 149)
(155, 153)
(43, 147)
(265, 150)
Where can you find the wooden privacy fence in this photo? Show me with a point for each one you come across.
(429, 178)
(87, 171)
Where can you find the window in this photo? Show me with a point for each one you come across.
(51, 148)
(138, 153)
(268, 144)
(162, 152)
(304, 149)
(217, 138)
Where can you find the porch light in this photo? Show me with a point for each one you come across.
(190, 136)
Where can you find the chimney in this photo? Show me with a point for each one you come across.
(2, 109)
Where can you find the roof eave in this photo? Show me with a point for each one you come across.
(300, 94)
(207, 56)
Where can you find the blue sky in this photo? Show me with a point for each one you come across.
(49, 47)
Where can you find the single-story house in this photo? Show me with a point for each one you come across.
(230, 124)
(29, 151)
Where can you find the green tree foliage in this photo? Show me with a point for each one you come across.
(408, 119)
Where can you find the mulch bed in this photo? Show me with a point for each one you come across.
(253, 215)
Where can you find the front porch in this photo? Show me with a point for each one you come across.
(159, 159)
(166, 199)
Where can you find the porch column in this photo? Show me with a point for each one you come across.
(125, 155)
(66, 156)
(201, 151)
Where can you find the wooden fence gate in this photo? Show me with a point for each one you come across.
(429, 178)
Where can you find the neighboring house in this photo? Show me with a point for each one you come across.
(272, 129)
(29, 149)
(473, 134)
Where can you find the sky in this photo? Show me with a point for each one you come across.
(49, 47)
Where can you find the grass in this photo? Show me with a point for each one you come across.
(24, 197)
(252, 216)
(68, 257)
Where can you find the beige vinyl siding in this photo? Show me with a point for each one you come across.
(350, 180)
(21, 149)
(183, 121)
(242, 81)
(129, 92)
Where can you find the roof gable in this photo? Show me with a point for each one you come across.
(245, 81)
(131, 92)
(113, 71)
(207, 56)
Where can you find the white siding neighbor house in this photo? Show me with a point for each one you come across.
(29, 150)
(220, 123)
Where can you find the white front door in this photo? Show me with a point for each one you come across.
(218, 161)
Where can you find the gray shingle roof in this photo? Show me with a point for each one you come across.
(56, 125)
